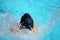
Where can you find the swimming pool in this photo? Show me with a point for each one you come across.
(45, 14)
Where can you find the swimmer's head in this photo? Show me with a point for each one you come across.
(26, 21)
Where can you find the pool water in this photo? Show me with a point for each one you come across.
(45, 14)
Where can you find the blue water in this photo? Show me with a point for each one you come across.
(42, 12)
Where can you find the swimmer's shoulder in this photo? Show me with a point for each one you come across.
(35, 29)
(14, 26)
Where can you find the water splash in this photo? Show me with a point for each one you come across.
(43, 34)
(5, 33)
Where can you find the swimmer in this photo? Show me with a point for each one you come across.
(26, 23)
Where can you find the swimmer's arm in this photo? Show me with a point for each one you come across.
(35, 29)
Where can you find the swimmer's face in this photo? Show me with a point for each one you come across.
(26, 21)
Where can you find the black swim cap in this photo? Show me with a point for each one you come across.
(27, 21)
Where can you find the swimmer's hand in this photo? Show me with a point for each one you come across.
(11, 29)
